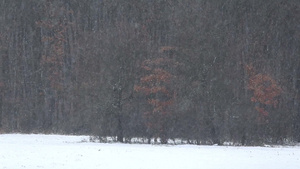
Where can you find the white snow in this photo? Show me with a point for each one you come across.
(19, 151)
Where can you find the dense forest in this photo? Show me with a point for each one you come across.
(204, 70)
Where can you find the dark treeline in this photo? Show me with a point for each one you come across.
(204, 70)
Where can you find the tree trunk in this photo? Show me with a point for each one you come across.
(1, 89)
(1, 111)
(120, 136)
(118, 102)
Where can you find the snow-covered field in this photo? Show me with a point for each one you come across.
(19, 151)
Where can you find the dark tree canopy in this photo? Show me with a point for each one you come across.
(208, 71)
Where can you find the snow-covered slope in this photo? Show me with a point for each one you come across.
(18, 151)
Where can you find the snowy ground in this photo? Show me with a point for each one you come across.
(18, 151)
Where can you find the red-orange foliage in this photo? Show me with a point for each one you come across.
(156, 82)
(262, 111)
(157, 76)
(265, 89)
(167, 48)
(151, 90)
(156, 85)
(159, 106)
(55, 29)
